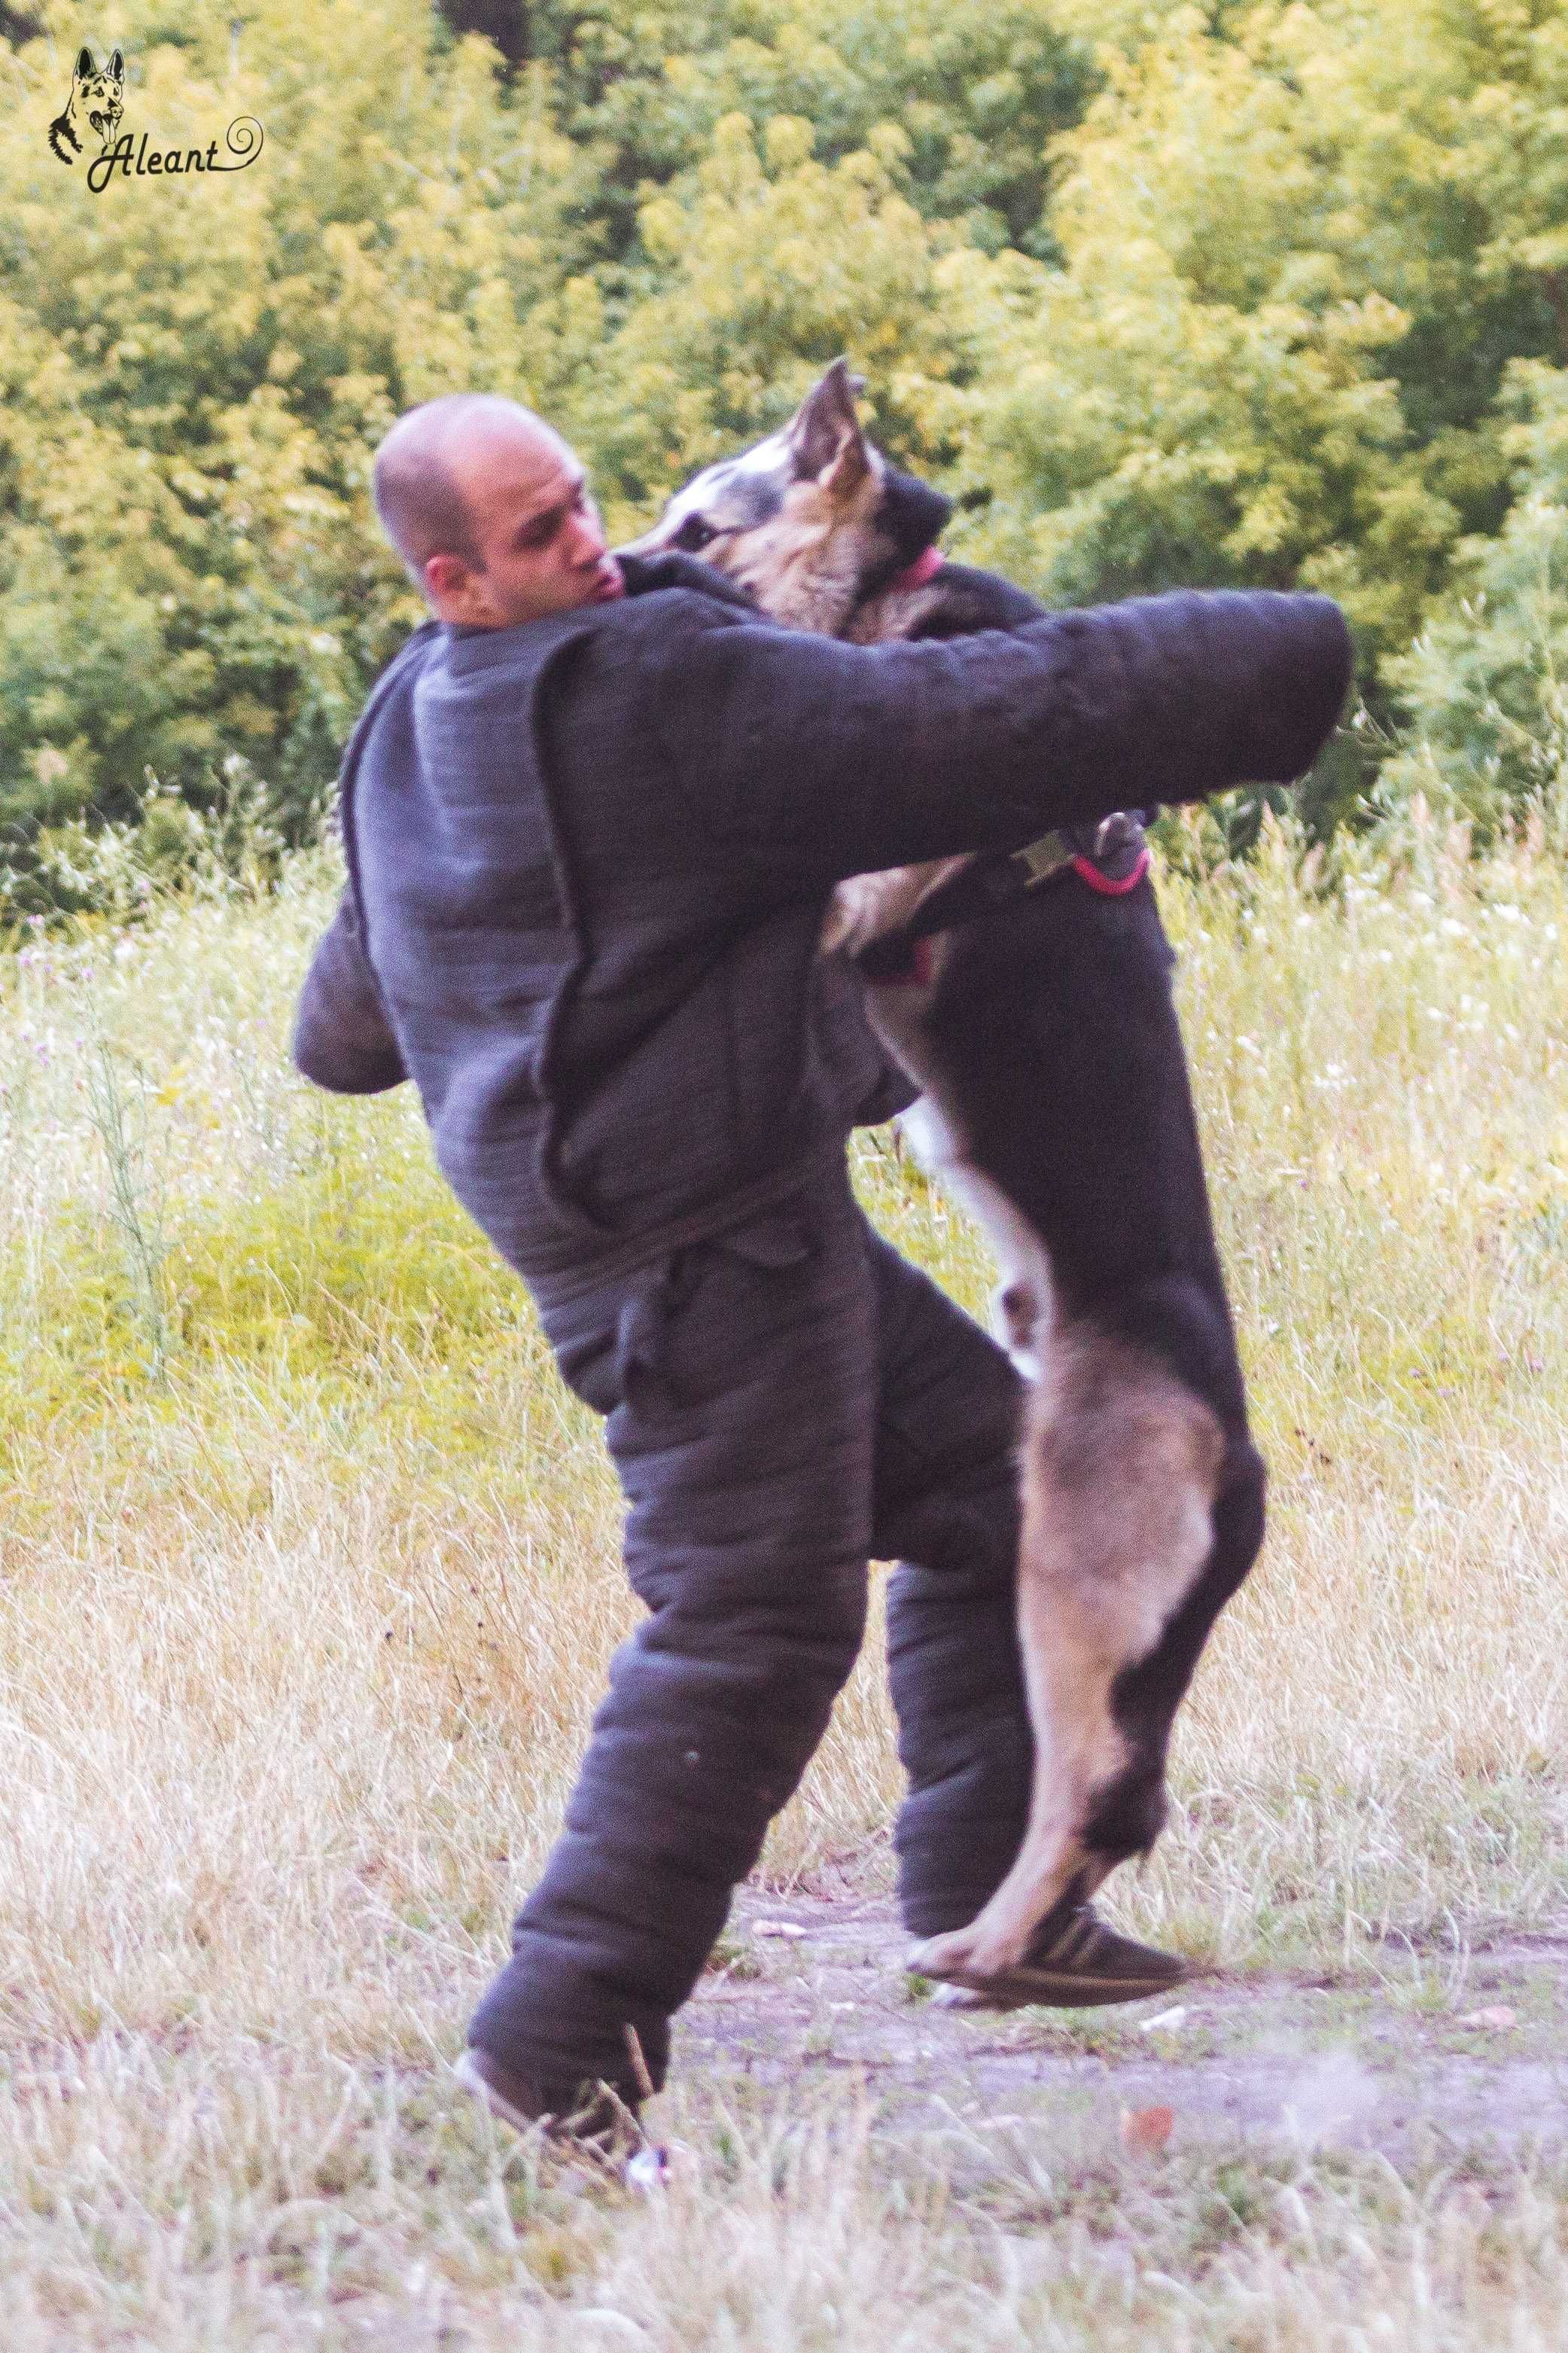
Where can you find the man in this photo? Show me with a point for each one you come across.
(592, 814)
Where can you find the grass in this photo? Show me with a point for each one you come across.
(309, 1572)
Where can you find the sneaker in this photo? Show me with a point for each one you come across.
(1075, 1962)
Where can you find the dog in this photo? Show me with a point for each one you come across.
(1029, 998)
(96, 103)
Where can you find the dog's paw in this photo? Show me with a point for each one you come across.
(947, 1956)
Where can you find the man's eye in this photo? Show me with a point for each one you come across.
(693, 533)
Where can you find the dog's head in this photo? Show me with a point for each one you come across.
(98, 98)
(812, 521)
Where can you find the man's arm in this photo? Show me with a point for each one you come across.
(831, 760)
(343, 1038)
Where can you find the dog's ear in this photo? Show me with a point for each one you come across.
(849, 469)
(84, 65)
(825, 430)
(117, 68)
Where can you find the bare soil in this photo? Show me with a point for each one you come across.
(1391, 2057)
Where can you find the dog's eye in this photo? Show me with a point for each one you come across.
(693, 533)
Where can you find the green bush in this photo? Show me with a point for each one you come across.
(1486, 684)
(1260, 294)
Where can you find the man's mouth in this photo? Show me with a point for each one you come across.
(609, 582)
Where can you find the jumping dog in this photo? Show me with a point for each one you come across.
(1029, 998)
(95, 104)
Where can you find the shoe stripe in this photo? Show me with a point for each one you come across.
(1082, 1936)
(1062, 1944)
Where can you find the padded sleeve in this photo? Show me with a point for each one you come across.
(835, 759)
(343, 1038)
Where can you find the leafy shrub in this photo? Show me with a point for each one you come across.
(1202, 296)
(1486, 680)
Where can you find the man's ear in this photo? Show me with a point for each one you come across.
(84, 65)
(446, 576)
(825, 429)
(117, 67)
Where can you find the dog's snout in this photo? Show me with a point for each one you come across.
(652, 542)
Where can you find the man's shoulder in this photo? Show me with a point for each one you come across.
(966, 598)
(627, 641)
(623, 628)
(633, 642)
(414, 649)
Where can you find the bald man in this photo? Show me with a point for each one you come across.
(592, 814)
(491, 513)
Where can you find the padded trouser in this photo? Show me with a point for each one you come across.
(783, 1404)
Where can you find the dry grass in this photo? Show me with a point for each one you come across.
(308, 1573)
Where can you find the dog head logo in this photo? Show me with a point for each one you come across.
(94, 108)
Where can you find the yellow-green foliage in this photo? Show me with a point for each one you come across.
(1161, 295)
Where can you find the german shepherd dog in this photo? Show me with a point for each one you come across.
(1029, 998)
(95, 104)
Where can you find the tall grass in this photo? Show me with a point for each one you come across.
(309, 1573)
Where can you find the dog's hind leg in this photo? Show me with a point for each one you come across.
(1121, 1464)
(1143, 1495)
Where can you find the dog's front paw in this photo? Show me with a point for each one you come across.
(1072, 1960)
(949, 1956)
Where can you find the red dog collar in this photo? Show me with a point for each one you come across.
(1088, 871)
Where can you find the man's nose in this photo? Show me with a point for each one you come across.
(587, 541)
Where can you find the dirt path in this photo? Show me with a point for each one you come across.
(809, 1982)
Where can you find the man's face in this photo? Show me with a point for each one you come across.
(536, 527)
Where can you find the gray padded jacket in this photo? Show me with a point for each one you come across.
(589, 857)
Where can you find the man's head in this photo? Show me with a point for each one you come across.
(491, 513)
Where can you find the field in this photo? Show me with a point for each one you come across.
(308, 1570)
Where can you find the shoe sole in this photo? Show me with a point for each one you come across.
(472, 2080)
(1020, 1989)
